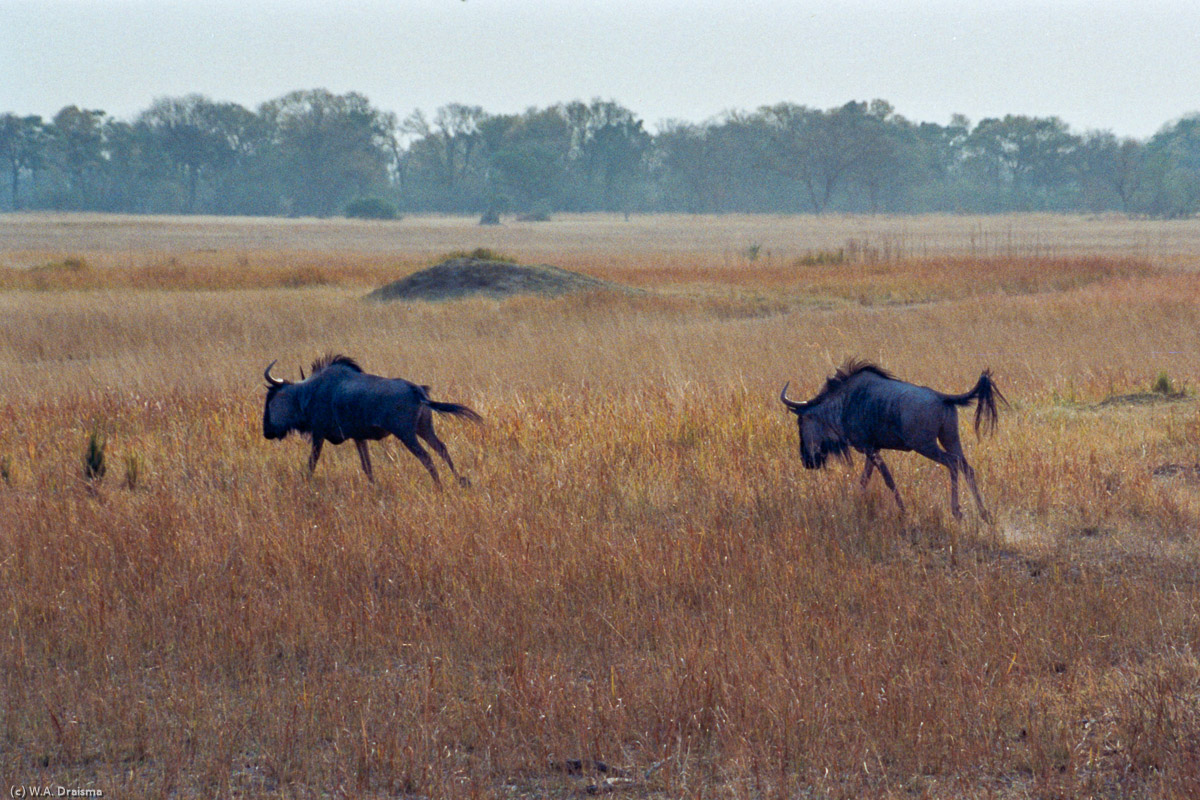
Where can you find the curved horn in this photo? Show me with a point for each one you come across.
(272, 381)
(792, 405)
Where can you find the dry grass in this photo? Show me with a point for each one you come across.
(643, 575)
(595, 240)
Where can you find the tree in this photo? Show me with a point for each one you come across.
(820, 150)
(327, 148)
(527, 157)
(719, 166)
(1026, 158)
(445, 150)
(608, 143)
(23, 143)
(614, 153)
(1111, 167)
(199, 137)
(76, 138)
(889, 154)
(134, 175)
(680, 153)
(1173, 169)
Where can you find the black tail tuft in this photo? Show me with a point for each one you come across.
(988, 394)
(455, 409)
(987, 417)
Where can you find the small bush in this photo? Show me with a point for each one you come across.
(1163, 384)
(69, 264)
(300, 277)
(372, 208)
(93, 458)
(480, 253)
(490, 217)
(816, 258)
(539, 212)
(752, 252)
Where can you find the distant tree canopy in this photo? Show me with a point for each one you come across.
(316, 153)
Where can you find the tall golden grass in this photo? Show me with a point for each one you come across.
(644, 592)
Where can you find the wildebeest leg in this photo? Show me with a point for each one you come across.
(949, 439)
(868, 469)
(887, 477)
(425, 431)
(414, 447)
(315, 454)
(950, 462)
(365, 457)
(970, 476)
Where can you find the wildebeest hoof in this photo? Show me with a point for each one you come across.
(464, 482)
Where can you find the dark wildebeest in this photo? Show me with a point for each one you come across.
(864, 407)
(338, 401)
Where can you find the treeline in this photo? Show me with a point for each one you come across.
(318, 153)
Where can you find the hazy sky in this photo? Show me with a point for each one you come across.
(1121, 65)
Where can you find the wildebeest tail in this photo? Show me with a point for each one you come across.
(446, 408)
(455, 409)
(987, 394)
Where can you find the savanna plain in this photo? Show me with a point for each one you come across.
(643, 593)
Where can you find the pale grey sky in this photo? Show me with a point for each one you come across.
(1114, 64)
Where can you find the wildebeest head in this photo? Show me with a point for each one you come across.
(281, 412)
(820, 431)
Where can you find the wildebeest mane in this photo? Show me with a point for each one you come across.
(334, 359)
(850, 368)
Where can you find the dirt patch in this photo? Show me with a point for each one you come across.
(465, 277)
(1189, 472)
(1142, 399)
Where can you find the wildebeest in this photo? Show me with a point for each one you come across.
(338, 401)
(863, 407)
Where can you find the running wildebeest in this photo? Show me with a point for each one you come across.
(862, 406)
(338, 401)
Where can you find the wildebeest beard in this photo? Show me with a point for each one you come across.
(817, 460)
(274, 431)
(829, 440)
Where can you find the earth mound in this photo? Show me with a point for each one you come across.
(464, 277)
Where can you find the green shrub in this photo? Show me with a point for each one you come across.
(539, 212)
(480, 253)
(816, 258)
(69, 264)
(1163, 384)
(372, 208)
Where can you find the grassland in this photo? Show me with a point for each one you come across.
(642, 577)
